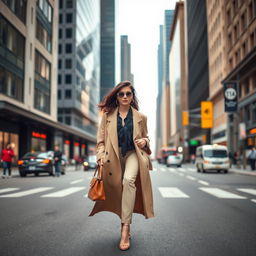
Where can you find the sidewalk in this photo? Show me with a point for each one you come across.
(246, 171)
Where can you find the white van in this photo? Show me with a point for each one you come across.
(212, 157)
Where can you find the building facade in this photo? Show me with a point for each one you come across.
(240, 28)
(126, 59)
(28, 79)
(79, 65)
(198, 72)
(178, 79)
(107, 46)
(217, 68)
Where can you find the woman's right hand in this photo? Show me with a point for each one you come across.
(100, 161)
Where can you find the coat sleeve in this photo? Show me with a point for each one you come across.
(100, 146)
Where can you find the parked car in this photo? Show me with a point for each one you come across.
(212, 157)
(174, 158)
(90, 162)
(35, 163)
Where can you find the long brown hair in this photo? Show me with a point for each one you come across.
(109, 102)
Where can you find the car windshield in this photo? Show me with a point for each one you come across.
(92, 158)
(37, 154)
(171, 152)
(215, 153)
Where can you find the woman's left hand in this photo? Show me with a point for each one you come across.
(141, 143)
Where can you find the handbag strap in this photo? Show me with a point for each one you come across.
(98, 168)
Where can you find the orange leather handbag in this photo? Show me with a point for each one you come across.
(96, 191)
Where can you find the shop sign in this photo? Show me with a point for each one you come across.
(242, 131)
(252, 131)
(67, 142)
(76, 144)
(230, 96)
(39, 135)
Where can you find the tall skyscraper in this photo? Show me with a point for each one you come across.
(107, 46)
(126, 59)
(198, 74)
(79, 64)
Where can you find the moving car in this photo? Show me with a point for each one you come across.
(90, 162)
(174, 158)
(212, 157)
(164, 153)
(36, 162)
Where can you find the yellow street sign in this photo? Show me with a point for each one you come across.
(185, 120)
(206, 114)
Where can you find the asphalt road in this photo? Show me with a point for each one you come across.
(196, 214)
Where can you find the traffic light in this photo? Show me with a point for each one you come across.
(185, 120)
(206, 114)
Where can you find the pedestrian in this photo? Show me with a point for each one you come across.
(252, 158)
(57, 160)
(123, 150)
(6, 159)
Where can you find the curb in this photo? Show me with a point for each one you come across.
(250, 173)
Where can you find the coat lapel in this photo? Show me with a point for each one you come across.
(136, 122)
(112, 130)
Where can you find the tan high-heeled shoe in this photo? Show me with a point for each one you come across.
(125, 246)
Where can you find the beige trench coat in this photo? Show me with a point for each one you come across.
(107, 148)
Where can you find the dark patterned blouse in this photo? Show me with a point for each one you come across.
(125, 133)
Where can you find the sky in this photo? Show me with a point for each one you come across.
(140, 20)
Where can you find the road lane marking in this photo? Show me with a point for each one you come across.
(28, 192)
(172, 192)
(203, 182)
(64, 192)
(248, 190)
(221, 193)
(253, 200)
(4, 190)
(76, 181)
(191, 177)
(181, 174)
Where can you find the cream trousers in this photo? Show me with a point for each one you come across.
(130, 168)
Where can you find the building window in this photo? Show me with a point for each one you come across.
(43, 36)
(46, 9)
(69, 4)
(60, 19)
(69, 18)
(59, 63)
(246, 87)
(254, 112)
(42, 66)
(229, 40)
(250, 12)
(42, 100)
(68, 79)
(68, 63)
(60, 33)
(11, 85)
(228, 16)
(68, 94)
(248, 113)
(60, 119)
(252, 40)
(243, 22)
(67, 120)
(60, 48)
(69, 33)
(254, 3)
(59, 79)
(18, 7)
(60, 4)
(68, 48)
(59, 94)
(244, 48)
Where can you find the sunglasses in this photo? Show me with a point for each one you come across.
(121, 94)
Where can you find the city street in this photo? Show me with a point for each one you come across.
(196, 214)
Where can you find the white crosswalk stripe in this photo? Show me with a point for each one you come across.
(182, 169)
(28, 192)
(203, 182)
(163, 169)
(171, 169)
(181, 174)
(4, 190)
(191, 169)
(172, 192)
(220, 193)
(191, 177)
(64, 192)
(248, 190)
(253, 200)
(76, 181)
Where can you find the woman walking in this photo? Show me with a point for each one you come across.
(123, 150)
(6, 158)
